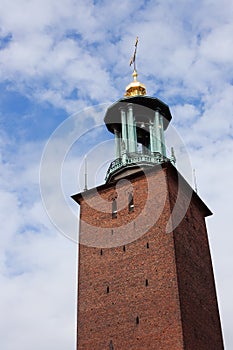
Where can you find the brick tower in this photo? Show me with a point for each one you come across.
(145, 277)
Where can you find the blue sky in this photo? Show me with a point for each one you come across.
(56, 60)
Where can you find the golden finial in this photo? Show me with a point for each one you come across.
(135, 88)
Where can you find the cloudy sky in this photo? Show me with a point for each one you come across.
(59, 58)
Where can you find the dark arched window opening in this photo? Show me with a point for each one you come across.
(130, 203)
(114, 208)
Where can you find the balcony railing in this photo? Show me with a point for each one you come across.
(135, 159)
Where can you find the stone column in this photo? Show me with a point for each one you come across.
(124, 136)
(163, 147)
(135, 136)
(157, 127)
(152, 138)
(117, 144)
(124, 132)
(131, 131)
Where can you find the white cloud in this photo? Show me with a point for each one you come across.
(215, 49)
(41, 300)
(38, 265)
(70, 53)
(185, 114)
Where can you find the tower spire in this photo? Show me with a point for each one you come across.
(135, 88)
(133, 58)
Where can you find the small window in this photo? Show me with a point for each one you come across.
(101, 251)
(107, 289)
(147, 245)
(123, 248)
(130, 203)
(114, 208)
(146, 282)
(137, 320)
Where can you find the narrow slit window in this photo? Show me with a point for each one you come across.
(114, 208)
(130, 203)
(107, 289)
(147, 245)
(147, 282)
(101, 251)
(137, 320)
(123, 248)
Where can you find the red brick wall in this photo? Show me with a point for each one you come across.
(123, 264)
(199, 309)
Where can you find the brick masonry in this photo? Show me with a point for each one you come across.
(140, 287)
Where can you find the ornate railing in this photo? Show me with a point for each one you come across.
(135, 159)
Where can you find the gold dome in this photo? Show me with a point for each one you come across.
(135, 88)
